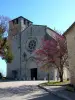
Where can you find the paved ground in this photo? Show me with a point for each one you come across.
(60, 91)
(55, 88)
(22, 91)
(19, 83)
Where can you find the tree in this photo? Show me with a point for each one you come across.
(1, 76)
(62, 55)
(53, 53)
(5, 51)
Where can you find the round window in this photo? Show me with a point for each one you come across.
(32, 45)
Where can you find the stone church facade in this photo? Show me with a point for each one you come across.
(25, 37)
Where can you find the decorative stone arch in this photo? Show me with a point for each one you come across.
(30, 64)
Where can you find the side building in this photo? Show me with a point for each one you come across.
(70, 37)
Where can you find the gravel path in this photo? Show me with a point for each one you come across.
(18, 88)
(19, 83)
(24, 91)
(19, 91)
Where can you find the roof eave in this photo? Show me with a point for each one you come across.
(68, 29)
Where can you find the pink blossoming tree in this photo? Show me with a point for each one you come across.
(53, 53)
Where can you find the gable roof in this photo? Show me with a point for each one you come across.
(53, 30)
(68, 29)
(48, 28)
(21, 17)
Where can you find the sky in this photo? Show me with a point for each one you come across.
(56, 14)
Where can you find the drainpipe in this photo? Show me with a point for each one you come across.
(20, 49)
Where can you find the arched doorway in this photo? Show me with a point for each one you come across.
(31, 69)
(33, 73)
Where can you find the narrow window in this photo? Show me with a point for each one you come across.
(28, 23)
(24, 21)
(15, 21)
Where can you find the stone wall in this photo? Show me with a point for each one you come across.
(70, 37)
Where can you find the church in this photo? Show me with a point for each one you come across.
(24, 38)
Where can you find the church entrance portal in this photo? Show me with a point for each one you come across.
(34, 73)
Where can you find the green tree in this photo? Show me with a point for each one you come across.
(5, 51)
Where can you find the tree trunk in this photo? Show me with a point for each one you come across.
(48, 77)
(61, 76)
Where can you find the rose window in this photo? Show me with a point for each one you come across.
(32, 45)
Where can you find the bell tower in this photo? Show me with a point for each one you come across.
(17, 25)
